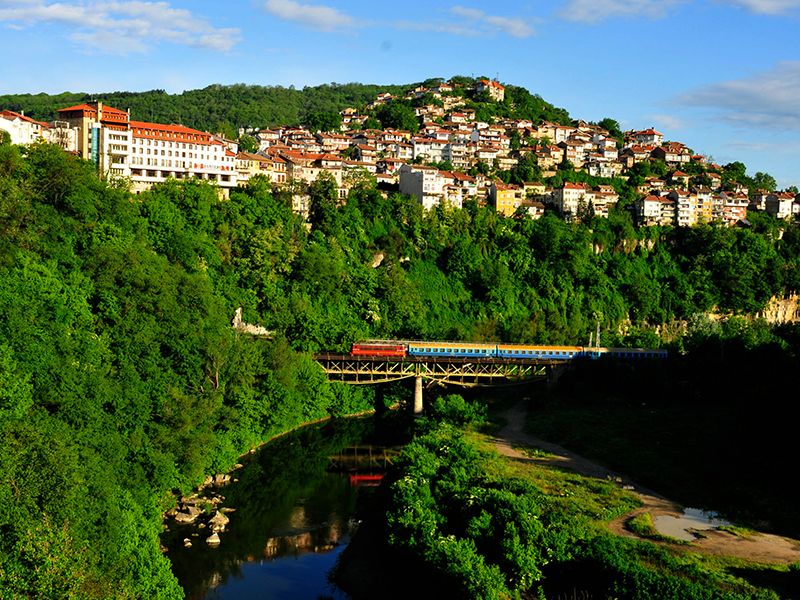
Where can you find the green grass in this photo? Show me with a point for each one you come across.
(533, 452)
(742, 532)
(642, 525)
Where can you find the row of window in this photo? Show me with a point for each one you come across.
(141, 142)
(170, 134)
(569, 353)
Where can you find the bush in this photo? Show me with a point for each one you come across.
(455, 410)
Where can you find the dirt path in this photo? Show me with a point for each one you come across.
(762, 547)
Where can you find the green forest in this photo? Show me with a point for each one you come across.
(123, 381)
(225, 108)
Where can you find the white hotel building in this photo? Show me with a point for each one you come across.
(148, 153)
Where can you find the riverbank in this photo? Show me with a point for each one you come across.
(759, 547)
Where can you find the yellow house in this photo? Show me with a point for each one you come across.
(248, 164)
(504, 197)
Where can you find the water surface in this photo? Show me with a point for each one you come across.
(295, 504)
(693, 518)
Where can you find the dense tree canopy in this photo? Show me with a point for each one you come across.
(122, 378)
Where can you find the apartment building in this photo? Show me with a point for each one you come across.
(147, 153)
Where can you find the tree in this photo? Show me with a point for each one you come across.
(444, 165)
(5, 138)
(735, 171)
(585, 211)
(323, 121)
(398, 115)
(226, 130)
(324, 194)
(372, 123)
(358, 177)
(765, 181)
(613, 129)
(247, 143)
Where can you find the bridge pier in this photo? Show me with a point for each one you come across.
(417, 396)
(554, 373)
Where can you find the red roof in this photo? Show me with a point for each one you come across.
(648, 132)
(77, 107)
(10, 114)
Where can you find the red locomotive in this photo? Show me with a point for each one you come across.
(378, 349)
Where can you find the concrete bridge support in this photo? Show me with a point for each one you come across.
(554, 373)
(417, 396)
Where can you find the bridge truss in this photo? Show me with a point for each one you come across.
(466, 372)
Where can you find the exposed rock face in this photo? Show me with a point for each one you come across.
(247, 327)
(781, 311)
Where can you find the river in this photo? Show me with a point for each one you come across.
(296, 507)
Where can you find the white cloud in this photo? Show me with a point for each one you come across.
(778, 148)
(765, 7)
(513, 27)
(594, 11)
(121, 27)
(766, 100)
(472, 22)
(438, 26)
(467, 13)
(313, 16)
(667, 122)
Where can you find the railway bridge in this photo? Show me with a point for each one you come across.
(455, 370)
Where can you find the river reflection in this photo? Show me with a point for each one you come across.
(292, 518)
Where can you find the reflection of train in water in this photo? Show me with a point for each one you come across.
(478, 350)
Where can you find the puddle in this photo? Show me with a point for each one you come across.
(693, 518)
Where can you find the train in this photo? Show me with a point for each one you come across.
(402, 348)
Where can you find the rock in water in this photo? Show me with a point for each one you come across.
(213, 539)
(218, 522)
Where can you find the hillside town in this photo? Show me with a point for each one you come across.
(453, 157)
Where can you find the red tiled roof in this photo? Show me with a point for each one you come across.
(10, 114)
(77, 107)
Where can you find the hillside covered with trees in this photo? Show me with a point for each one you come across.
(226, 108)
(216, 108)
(123, 380)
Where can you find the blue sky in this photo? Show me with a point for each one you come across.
(722, 76)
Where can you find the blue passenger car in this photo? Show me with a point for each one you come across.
(452, 349)
(539, 352)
